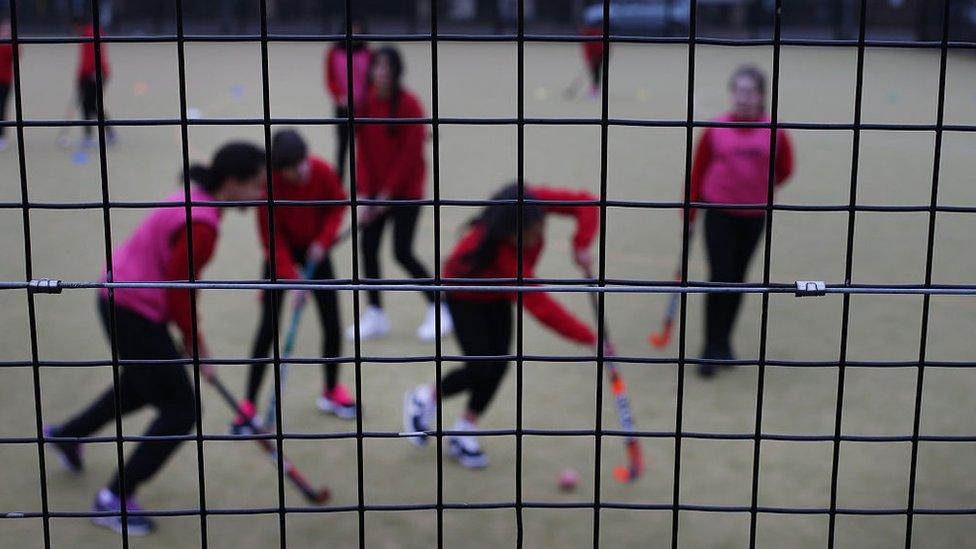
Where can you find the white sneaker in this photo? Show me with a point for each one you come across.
(3, 144)
(64, 141)
(419, 407)
(88, 142)
(465, 448)
(428, 330)
(374, 324)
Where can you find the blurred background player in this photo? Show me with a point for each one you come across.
(390, 165)
(337, 84)
(6, 77)
(303, 237)
(731, 166)
(158, 250)
(483, 320)
(89, 86)
(593, 54)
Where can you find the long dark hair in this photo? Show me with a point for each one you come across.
(395, 60)
(499, 222)
(234, 160)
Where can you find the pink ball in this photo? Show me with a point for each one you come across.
(568, 478)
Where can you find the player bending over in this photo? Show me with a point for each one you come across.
(303, 236)
(157, 251)
(732, 167)
(483, 321)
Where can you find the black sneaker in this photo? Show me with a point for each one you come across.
(69, 453)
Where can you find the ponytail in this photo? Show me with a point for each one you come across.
(201, 175)
(235, 160)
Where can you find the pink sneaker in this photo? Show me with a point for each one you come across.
(245, 422)
(337, 401)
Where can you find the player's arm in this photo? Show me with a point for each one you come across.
(178, 300)
(703, 157)
(285, 267)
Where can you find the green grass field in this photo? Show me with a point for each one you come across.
(646, 81)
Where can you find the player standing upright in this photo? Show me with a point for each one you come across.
(731, 167)
(89, 85)
(390, 165)
(337, 83)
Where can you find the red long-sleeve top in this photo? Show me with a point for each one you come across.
(592, 50)
(6, 64)
(86, 57)
(297, 227)
(505, 264)
(178, 300)
(390, 158)
(731, 165)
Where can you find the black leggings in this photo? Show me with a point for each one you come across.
(88, 99)
(4, 94)
(404, 226)
(483, 329)
(596, 67)
(166, 387)
(327, 303)
(342, 140)
(731, 241)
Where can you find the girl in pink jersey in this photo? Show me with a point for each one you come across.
(731, 167)
(336, 69)
(158, 251)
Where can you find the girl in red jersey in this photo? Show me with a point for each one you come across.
(6, 77)
(390, 165)
(337, 84)
(483, 320)
(731, 166)
(158, 251)
(89, 86)
(593, 55)
(303, 236)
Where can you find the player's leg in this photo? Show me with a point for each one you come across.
(4, 95)
(86, 94)
(335, 398)
(261, 348)
(101, 410)
(140, 339)
(747, 230)
(485, 377)
(419, 404)
(109, 130)
(373, 322)
(405, 219)
(167, 387)
(720, 244)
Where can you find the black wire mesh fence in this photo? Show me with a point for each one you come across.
(600, 284)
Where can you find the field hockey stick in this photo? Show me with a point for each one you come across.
(635, 456)
(660, 339)
(292, 334)
(573, 88)
(313, 495)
